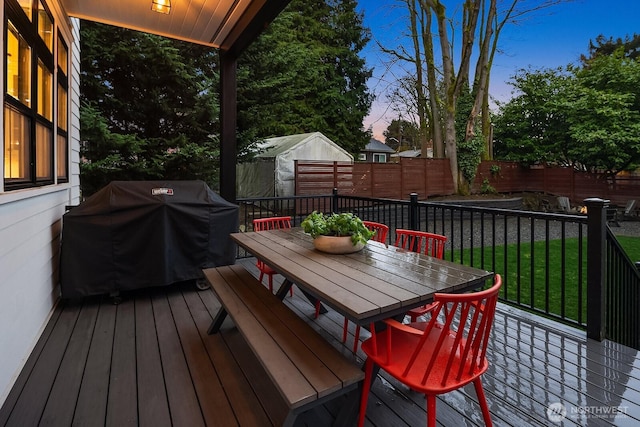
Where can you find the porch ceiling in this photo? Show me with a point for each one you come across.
(225, 24)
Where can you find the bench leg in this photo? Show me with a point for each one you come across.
(284, 288)
(286, 285)
(290, 420)
(217, 321)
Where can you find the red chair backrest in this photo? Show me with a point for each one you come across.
(462, 338)
(381, 230)
(272, 223)
(421, 241)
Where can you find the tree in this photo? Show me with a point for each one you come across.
(469, 149)
(150, 104)
(587, 117)
(439, 83)
(606, 47)
(532, 126)
(304, 74)
(604, 113)
(401, 135)
(149, 108)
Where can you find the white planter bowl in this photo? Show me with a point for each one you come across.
(336, 244)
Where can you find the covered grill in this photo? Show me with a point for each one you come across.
(136, 234)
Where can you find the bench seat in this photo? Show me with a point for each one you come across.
(303, 366)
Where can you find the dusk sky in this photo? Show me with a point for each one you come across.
(550, 38)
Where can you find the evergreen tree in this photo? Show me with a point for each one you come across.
(606, 47)
(149, 108)
(304, 74)
(402, 135)
(150, 105)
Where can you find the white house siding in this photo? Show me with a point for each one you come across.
(30, 227)
(74, 115)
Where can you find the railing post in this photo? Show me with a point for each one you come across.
(334, 200)
(413, 211)
(596, 267)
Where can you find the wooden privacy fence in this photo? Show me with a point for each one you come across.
(427, 177)
(432, 177)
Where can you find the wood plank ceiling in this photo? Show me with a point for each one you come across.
(216, 23)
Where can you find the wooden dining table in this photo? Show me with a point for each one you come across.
(376, 283)
(373, 284)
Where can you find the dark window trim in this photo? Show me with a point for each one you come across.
(39, 51)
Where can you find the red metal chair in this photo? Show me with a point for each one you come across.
(272, 223)
(427, 243)
(381, 236)
(420, 241)
(435, 358)
(381, 230)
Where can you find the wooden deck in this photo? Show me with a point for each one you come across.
(149, 361)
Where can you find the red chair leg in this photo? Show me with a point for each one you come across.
(431, 410)
(366, 386)
(482, 399)
(345, 329)
(270, 283)
(317, 309)
(356, 341)
(261, 276)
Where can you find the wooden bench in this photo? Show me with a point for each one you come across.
(303, 366)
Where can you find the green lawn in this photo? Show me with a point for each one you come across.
(547, 289)
(631, 246)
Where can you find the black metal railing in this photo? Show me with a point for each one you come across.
(622, 279)
(543, 257)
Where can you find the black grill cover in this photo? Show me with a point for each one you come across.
(135, 234)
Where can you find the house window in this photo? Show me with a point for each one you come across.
(18, 66)
(31, 107)
(16, 145)
(379, 158)
(45, 27)
(362, 156)
(26, 6)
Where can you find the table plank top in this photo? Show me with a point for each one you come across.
(375, 283)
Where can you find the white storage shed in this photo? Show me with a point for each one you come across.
(272, 173)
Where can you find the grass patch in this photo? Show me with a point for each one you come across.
(532, 275)
(546, 290)
(631, 246)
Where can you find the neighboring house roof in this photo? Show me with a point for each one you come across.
(407, 153)
(274, 147)
(378, 147)
(413, 153)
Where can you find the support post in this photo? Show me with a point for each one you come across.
(596, 267)
(334, 201)
(228, 120)
(413, 211)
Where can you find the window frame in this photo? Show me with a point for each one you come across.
(43, 144)
(379, 158)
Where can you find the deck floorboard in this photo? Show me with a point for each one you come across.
(150, 362)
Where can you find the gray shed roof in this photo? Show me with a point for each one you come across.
(273, 147)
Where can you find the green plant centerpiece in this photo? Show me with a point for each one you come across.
(344, 225)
